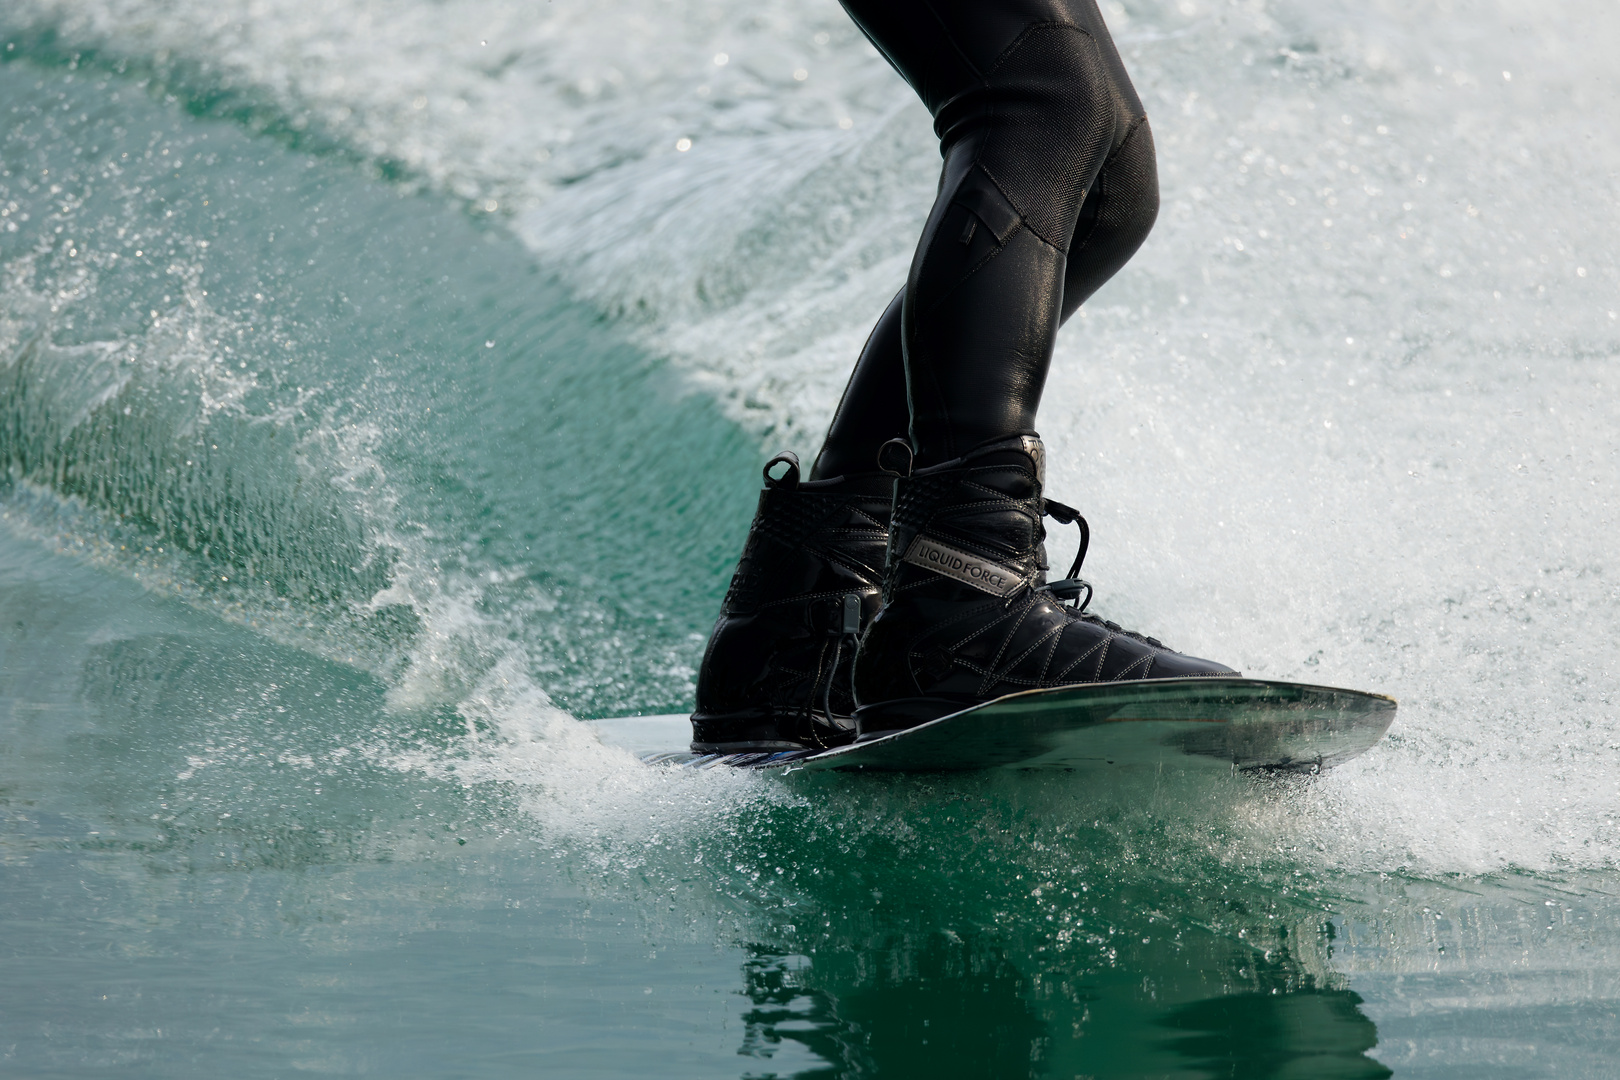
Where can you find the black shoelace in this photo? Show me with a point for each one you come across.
(849, 627)
(1072, 586)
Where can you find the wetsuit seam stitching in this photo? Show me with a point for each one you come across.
(1023, 219)
(1033, 28)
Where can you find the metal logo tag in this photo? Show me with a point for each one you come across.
(982, 574)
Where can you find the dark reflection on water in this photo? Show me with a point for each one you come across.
(928, 1011)
(1027, 927)
(941, 1006)
(1319, 1034)
(948, 1011)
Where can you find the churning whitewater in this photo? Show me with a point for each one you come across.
(1349, 418)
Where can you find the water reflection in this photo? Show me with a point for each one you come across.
(941, 1006)
(1321, 1034)
(934, 1008)
(989, 941)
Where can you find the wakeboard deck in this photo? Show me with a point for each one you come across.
(1227, 723)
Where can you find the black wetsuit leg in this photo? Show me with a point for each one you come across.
(1049, 187)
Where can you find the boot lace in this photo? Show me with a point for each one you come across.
(1071, 586)
(826, 731)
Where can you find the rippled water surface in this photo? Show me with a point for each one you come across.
(382, 389)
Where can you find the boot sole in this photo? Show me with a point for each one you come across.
(748, 747)
(750, 732)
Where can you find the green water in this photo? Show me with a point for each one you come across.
(329, 505)
(202, 879)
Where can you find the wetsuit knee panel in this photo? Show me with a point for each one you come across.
(1123, 203)
(1116, 218)
(1045, 114)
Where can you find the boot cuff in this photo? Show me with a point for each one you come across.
(998, 452)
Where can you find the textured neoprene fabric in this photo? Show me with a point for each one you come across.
(1048, 188)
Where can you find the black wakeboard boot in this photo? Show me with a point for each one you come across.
(776, 672)
(967, 612)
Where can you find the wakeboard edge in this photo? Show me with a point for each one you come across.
(1257, 724)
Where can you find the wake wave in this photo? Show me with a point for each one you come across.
(169, 437)
(1347, 418)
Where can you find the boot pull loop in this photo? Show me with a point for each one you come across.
(895, 456)
(789, 480)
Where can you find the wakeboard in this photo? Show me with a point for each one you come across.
(1220, 722)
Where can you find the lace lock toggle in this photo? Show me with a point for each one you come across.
(1070, 589)
(852, 614)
